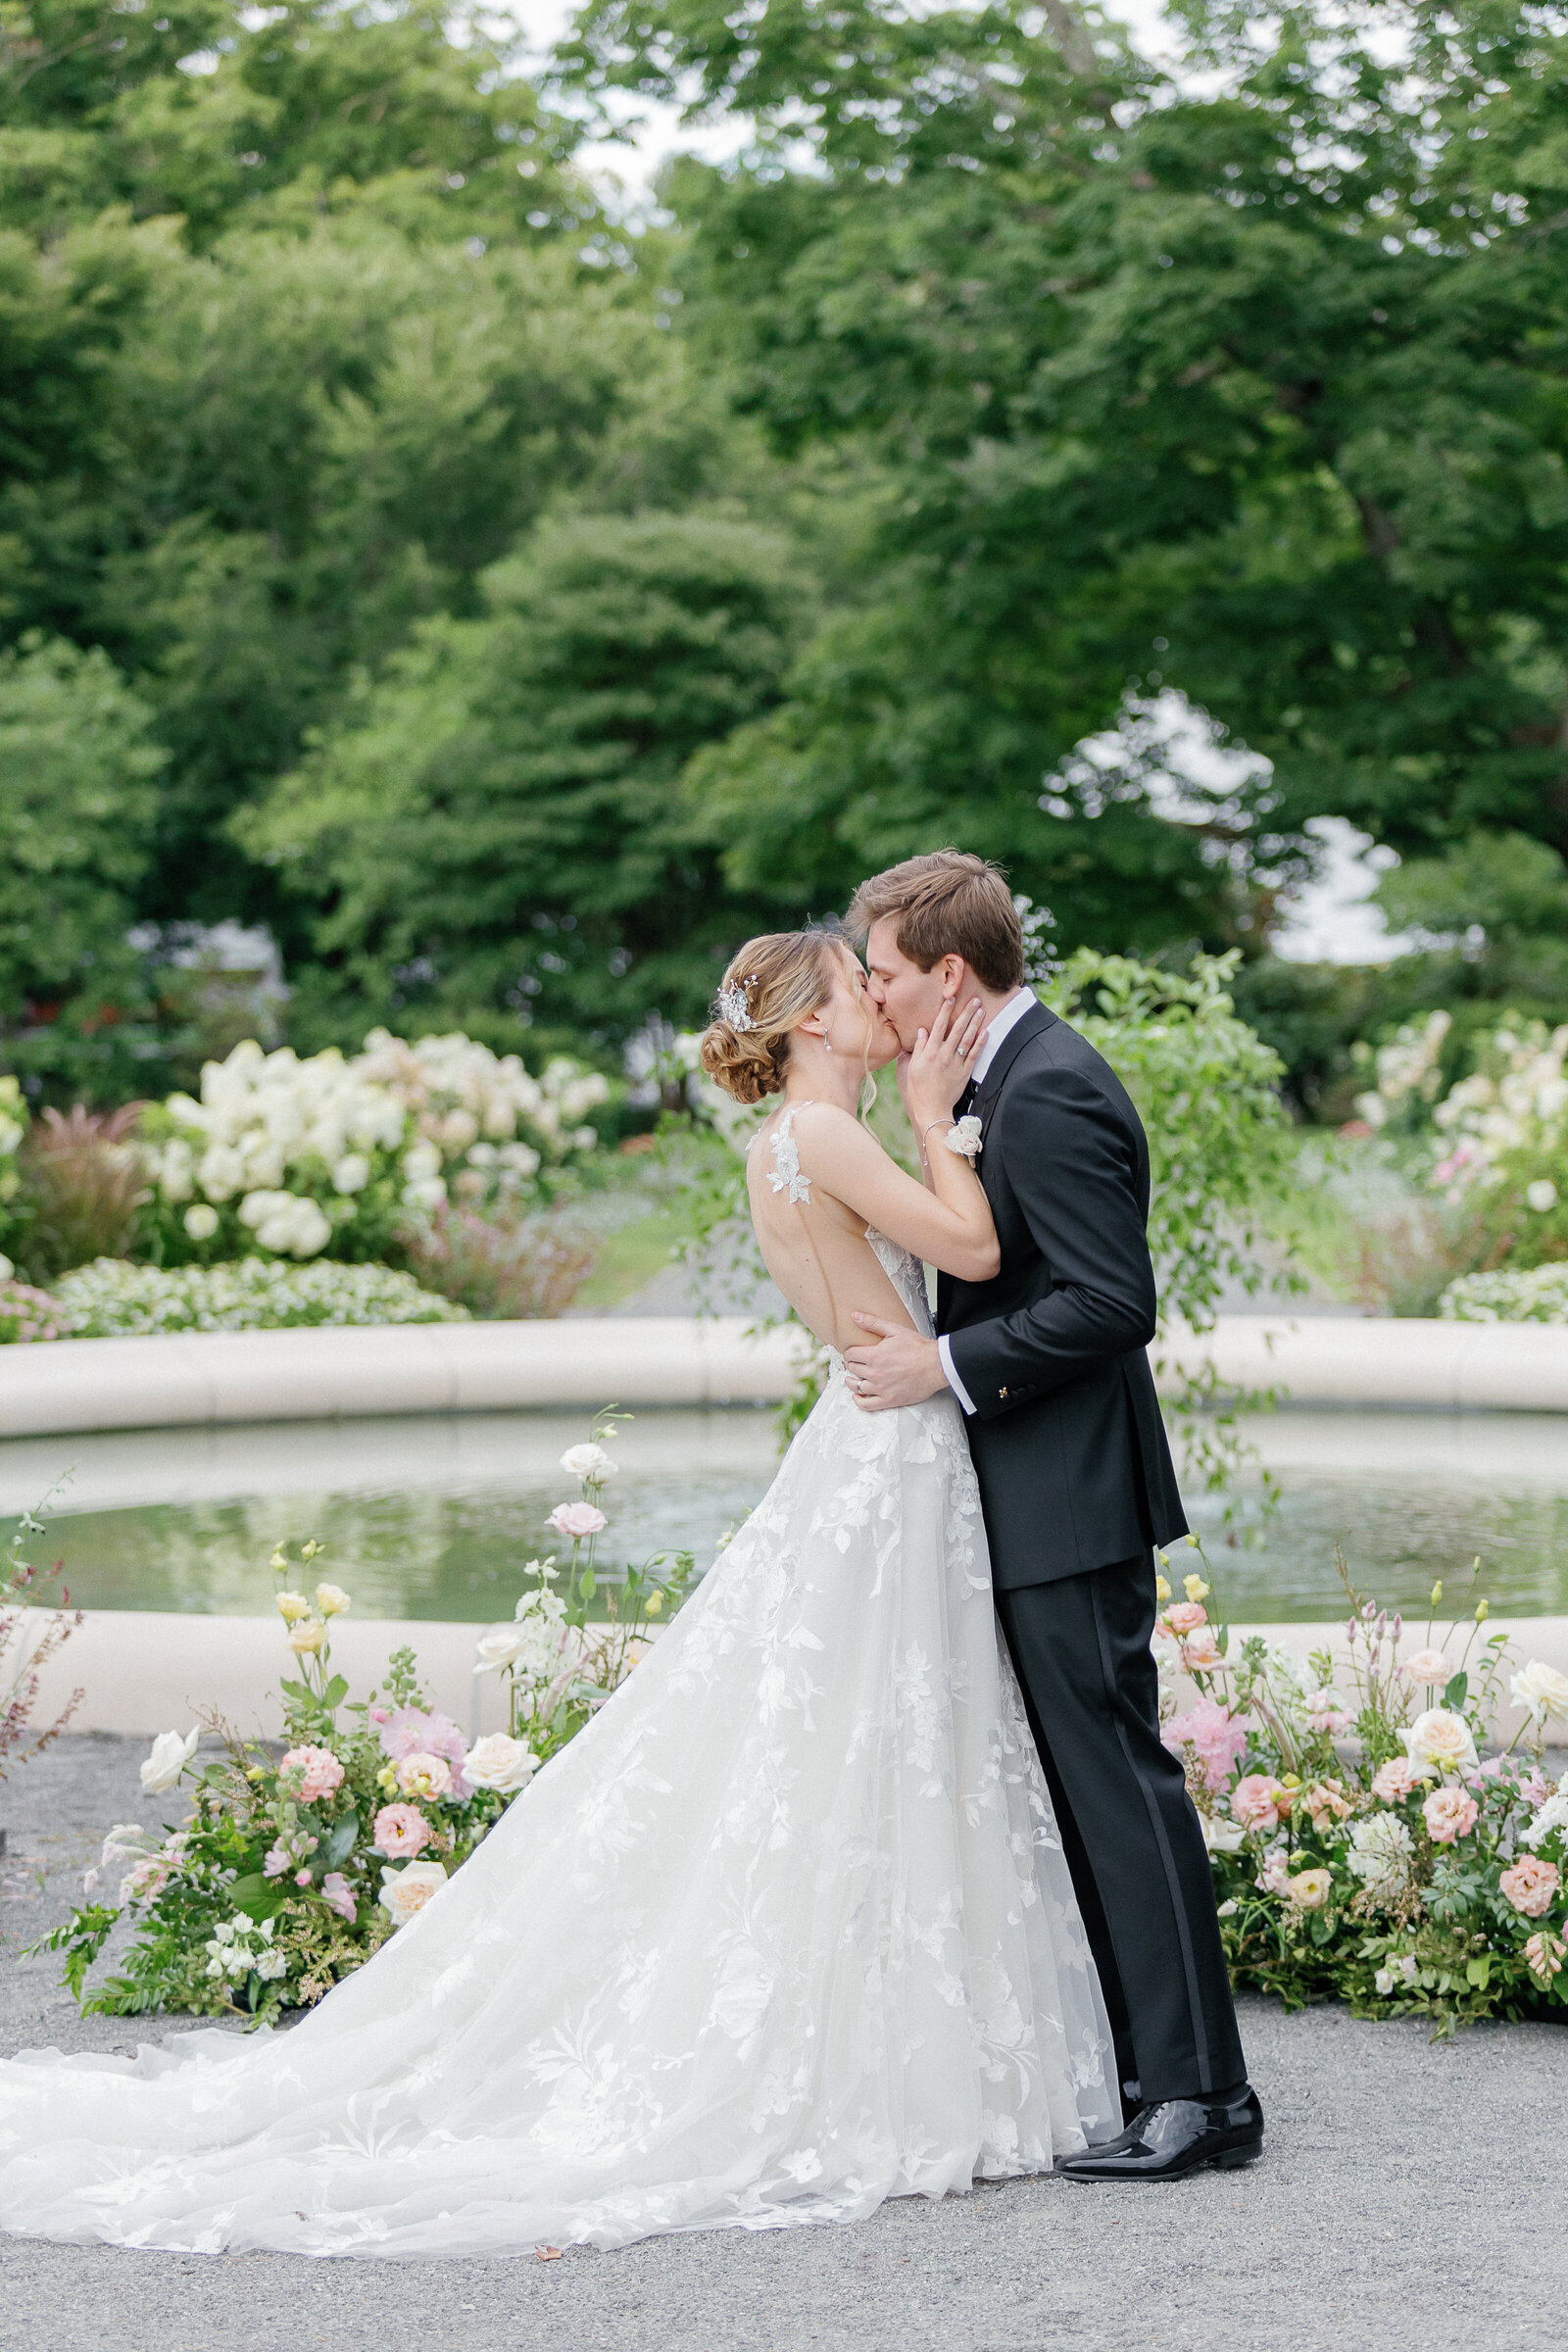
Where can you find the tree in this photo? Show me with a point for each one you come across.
(495, 826)
(1259, 392)
(78, 773)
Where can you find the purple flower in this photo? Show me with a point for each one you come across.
(414, 1731)
(336, 1890)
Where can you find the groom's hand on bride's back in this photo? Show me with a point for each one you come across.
(896, 1367)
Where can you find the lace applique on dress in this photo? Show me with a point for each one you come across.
(786, 1170)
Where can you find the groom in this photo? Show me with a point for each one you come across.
(1047, 1362)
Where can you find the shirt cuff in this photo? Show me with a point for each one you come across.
(952, 1377)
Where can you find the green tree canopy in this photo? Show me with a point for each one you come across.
(496, 828)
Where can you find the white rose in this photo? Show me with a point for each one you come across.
(1540, 1691)
(352, 1173)
(406, 1890)
(500, 1649)
(499, 1762)
(200, 1221)
(1542, 1194)
(587, 1461)
(1440, 1738)
(332, 1600)
(1221, 1836)
(167, 1760)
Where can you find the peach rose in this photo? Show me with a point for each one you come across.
(1200, 1652)
(1440, 1736)
(1185, 1616)
(1530, 1884)
(423, 1775)
(1397, 1780)
(1426, 1666)
(406, 1890)
(1310, 1889)
(1450, 1814)
(1259, 1800)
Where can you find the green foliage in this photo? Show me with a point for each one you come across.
(498, 824)
(78, 809)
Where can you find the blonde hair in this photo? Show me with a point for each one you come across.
(772, 984)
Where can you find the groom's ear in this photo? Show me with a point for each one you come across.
(951, 976)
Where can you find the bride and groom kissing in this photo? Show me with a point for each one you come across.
(874, 1879)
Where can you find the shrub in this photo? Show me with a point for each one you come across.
(506, 1267)
(1527, 1294)
(112, 1298)
(29, 1314)
(289, 1155)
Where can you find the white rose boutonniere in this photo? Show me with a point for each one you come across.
(963, 1137)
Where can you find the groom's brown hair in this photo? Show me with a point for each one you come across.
(948, 903)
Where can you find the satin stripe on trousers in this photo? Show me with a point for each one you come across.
(1079, 1647)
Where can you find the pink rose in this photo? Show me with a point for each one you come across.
(1530, 1884)
(302, 1877)
(1450, 1814)
(315, 1770)
(1200, 1652)
(276, 1862)
(1185, 1616)
(380, 1714)
(1396, 1780)
(1215, 1737)
(1426, 1666)
(400, 1832)
(336, 1890)
(577, 1520)
(1275, 1876)
(1259, 1800)
(1534, 1787)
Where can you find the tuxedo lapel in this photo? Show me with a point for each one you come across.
(1033, 1024)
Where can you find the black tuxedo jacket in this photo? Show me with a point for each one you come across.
(1074, 1468)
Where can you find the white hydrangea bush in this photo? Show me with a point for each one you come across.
(1518, 1294)
(1499, 1135)
(297, 1156)
(112, 1298)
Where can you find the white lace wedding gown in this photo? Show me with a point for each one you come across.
(785, 1931)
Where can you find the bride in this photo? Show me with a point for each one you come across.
(786, 1929)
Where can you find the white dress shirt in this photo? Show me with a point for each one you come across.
(1007, 1017)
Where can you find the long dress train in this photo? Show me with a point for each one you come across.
(785, 1931)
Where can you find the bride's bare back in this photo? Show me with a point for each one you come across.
(812, 1244)
(817, 1182)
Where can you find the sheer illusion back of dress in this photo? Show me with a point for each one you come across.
(785, 1931)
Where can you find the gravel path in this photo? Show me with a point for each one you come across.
(1413, 2195)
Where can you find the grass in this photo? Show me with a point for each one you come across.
(633, 1257)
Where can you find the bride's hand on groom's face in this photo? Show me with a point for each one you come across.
(897, 1368)
(936, 1072)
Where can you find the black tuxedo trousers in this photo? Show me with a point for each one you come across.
(1079, 1647)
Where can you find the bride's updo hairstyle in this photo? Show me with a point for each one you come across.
(770, 987)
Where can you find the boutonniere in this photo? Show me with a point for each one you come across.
(963, 1137)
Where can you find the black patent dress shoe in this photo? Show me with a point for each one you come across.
(1171, 2138)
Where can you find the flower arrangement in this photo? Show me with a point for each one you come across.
(287, 1154)
(1363, 1847)
(113, 1297)
(293, 1869)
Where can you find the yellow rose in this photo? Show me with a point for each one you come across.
(332, 1600)
(1195, 1587)
(654, 1603)
(1161, 1591)
(305, 1638)
(308, 1551)
(292, 1606)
